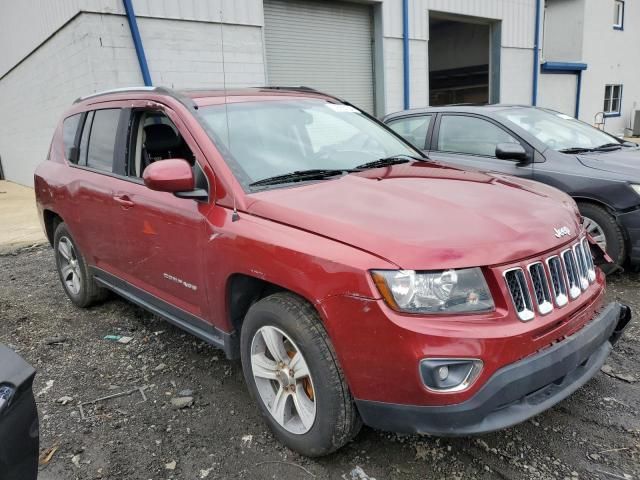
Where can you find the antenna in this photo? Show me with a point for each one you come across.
(234, 217)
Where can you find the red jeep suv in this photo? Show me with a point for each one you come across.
(357, 281)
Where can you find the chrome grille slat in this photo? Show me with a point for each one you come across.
(565, 277)
(570, 268)
(519, 290)
(581, 263)
(540, 285)
(558, 281)
(591, 268)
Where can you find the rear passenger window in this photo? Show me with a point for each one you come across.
(413, 129)
(69, 130)
(102, 139)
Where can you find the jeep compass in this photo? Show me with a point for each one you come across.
(356, 280)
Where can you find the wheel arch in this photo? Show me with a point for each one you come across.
(51, 220)
(243, 290)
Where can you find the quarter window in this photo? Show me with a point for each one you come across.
(102, 139)
(69, 131)
(612, 99)
(413, 129)
(471, 135)
(618, 14)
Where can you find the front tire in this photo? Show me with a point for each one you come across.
(73, 272)
(604, 229)
(292, 373)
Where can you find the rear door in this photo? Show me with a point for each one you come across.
(92, 180)
(468, 140)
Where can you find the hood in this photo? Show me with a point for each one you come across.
(426, 215)
(625, 161)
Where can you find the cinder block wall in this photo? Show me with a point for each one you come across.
(95, 52)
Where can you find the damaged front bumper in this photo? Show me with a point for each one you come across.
(517, 391)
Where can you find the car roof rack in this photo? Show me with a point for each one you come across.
(162, 90)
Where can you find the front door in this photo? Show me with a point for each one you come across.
(470, 141)
(163, 236)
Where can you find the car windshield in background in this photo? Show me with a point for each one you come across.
(282, 137)
(557, 130)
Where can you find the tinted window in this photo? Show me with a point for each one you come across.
(414, 129)
(102, 139)
(462, 134)
(69, 130)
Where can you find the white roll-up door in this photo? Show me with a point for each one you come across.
(322, 44)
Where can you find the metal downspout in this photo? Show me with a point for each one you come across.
(536, 54)
(137, 42)
(405, 52)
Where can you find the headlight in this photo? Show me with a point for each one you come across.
(444, 291)
(636, 187)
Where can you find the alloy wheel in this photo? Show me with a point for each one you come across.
(69, 266)
(595, 230)
(283, 380)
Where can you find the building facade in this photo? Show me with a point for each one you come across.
(382, 55)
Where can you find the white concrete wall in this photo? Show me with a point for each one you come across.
(24, 25)
(558, 92)
(563, 30)
(612, 58)
(95, 52)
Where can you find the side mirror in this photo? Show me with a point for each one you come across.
(511, 151)
(172, 175)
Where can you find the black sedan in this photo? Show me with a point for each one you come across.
(601, 172)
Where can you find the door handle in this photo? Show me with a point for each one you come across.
(124, 201)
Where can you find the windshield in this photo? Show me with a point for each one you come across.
(277, 137)
(557, 130)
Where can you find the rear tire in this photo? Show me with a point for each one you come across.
(599, 220)
(74, 275)
(289, 325)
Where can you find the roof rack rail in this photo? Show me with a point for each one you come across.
(162, 90)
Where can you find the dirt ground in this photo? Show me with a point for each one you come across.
(593, 434)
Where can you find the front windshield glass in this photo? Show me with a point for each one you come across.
(277, 137)
(557, 130)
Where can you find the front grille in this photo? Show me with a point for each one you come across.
(519, 290)
(565, 277)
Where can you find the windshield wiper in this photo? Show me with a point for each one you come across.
(608, 146)
(576, 150)
(387, 161)
(301, 176)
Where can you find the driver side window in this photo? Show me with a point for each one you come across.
(154, 137)
(471, 135)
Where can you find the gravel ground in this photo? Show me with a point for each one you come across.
(593, 434)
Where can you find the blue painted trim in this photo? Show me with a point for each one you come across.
(578, 90)
(572, 67)
(536, 55)
(137, 42)
(405, 52)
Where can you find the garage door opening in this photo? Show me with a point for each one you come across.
(461, 60)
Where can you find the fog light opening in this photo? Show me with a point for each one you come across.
(449, 374)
